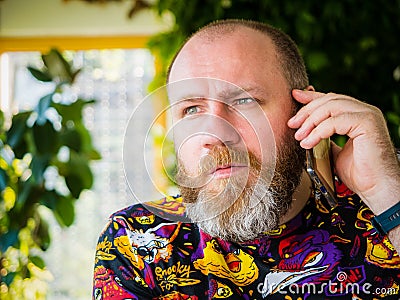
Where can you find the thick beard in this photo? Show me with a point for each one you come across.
(241, 208)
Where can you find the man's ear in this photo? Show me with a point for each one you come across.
(310, 88)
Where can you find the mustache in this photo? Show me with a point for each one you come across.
(217, 157)
(223, 157)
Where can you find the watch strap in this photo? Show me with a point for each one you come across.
(387, 220)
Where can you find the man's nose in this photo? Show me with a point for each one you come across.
(219, 128)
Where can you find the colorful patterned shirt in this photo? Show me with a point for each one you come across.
(322, 253)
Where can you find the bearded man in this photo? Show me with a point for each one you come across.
(250, 223)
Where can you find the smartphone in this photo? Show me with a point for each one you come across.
(320, 169)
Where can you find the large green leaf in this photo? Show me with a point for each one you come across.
(73, 111)
(80, 166)
(93, 154)
(39, 165)
(24, 192)
(8, 278)
(23, 146)
(49, 199)
(87, 147)
(3, 180)
(45, 138)
(77, 173)
(74, 74)
(72, 139)
(65, 211)
(17, 129)
(41, 234)
(74, 184)
(40, 75)
(41, 108)
(58, 68)
(8, 239)
(1, 121)
(37, 261)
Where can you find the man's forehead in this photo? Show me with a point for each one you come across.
(244, 61)
(209, 88)
(201, 54)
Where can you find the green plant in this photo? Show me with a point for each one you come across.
(44, 167)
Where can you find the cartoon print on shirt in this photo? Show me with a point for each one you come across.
(237, 266)
(342, 191)
(299, 252)
(103, 249)
(145, 246)
(175, 275)
(167, 206)
(107, 285)
(145, 219)
(305, 258)
(218, 290)
(337, 220)
(177, 295)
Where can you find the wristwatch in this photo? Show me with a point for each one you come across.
(387, 220)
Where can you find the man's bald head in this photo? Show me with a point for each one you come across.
(231, 89)
(287, 53)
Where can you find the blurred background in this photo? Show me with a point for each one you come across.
(72, 73)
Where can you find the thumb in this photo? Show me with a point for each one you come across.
(335, 151)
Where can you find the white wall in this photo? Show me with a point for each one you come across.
(30, 18)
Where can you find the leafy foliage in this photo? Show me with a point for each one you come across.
(51, 137)
(349, 47)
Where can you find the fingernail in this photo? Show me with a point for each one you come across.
(305, 143)
(299, 133)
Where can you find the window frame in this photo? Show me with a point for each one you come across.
(42, 44)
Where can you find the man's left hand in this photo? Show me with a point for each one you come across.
(367, 163)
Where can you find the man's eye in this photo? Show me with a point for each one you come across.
(244, 101)
(191, 110)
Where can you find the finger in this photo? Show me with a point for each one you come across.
(335, 151)
(343, 124)
(306, 96)
(305, 111)
(351, 104)
(326, 110)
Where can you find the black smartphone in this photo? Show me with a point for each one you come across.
(320, 169)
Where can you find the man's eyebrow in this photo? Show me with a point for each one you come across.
(188, 99)
(222, 95)
(233, 93)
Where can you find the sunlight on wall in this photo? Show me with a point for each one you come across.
(60, 18)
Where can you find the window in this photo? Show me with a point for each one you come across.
(118, 79)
